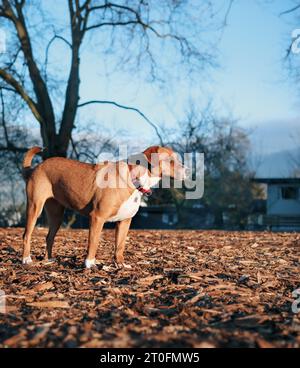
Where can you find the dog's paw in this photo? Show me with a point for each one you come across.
(89, 263)
(26, 261)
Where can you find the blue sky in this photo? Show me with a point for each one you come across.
(250, 84)
(253, 81)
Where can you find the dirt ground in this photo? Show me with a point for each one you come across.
(185, 289)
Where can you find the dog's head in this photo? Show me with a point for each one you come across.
(163, 161)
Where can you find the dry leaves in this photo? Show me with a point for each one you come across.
(185, 289)
(50, 304)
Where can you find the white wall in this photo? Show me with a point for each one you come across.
(278, 206)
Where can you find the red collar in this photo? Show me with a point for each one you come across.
(144, 191)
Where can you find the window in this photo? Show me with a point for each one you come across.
(170, 219)
(165, 218)
(289, 193)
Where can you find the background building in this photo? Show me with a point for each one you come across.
(283, 203)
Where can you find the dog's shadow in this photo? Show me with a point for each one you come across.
(66, 262)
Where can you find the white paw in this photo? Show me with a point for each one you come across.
(89, 263)
(26, 260)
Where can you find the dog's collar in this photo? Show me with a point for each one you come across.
(144, 191)
(140, 159)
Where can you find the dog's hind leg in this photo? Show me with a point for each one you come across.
(121, 234)
(34, 210)
(37, 194)
(55, 214)
(96, 226)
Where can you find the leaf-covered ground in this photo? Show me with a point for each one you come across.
(185, 289)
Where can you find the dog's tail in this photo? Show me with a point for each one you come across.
(26, 167)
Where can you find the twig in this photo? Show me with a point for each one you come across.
(126, 108)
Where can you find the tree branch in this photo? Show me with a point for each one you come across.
(3, 118)
(126, 108)
(72, 90)
(13, 148)
(184, 43)
(290, 10)
(40, 88)
(55, 37)
(74, 148)
(14, 59)
(9, 79)
(113, 24)
(9, 145)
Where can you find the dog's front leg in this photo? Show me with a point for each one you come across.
(96, 226)
(121, 234)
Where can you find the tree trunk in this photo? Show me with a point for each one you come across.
(51, 142)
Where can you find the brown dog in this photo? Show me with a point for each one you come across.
(109, 191)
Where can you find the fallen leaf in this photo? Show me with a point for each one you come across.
(264, 344)
(149, 280)
(44, 286)
(50, 304)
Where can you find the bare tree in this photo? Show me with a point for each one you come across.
(140, 28)
(292, 64)
(291, 57)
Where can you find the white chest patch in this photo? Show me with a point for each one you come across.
(128, 208)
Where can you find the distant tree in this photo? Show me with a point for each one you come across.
(226, 147)
(292, 63)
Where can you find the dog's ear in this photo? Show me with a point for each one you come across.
(151, 150)
(162, 153)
